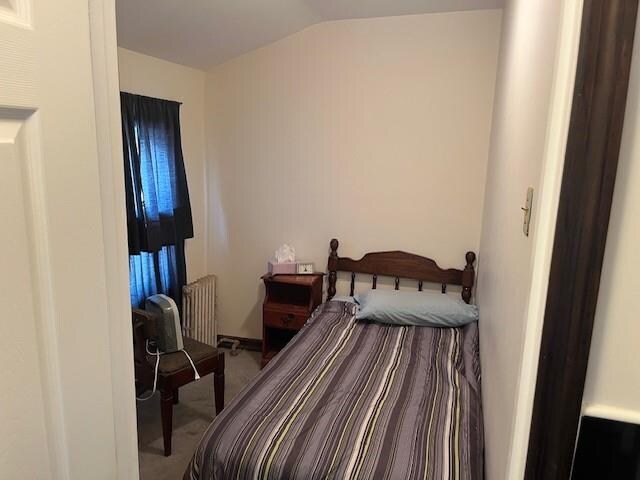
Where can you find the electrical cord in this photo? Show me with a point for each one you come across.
(155, 376)
(196, 374)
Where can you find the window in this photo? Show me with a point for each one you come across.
(157, 197)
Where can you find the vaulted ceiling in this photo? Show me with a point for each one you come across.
(204, 33)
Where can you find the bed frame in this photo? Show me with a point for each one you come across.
(400, 265)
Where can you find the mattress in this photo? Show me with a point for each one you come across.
(348, 399)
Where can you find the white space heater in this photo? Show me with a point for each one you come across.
(198, 310)
(169, 334)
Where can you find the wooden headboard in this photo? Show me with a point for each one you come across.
(400, 265)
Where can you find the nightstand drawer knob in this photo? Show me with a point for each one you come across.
(290, 317)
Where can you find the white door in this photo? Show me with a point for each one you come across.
(56, 403)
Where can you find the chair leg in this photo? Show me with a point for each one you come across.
(176, 396)
(218, 383)
(166, 407)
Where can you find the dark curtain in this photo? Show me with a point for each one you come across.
(157, 197)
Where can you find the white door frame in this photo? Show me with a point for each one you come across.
(109, 140)
(559, 116)
(104, 53)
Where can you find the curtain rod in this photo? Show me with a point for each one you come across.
(152, 98)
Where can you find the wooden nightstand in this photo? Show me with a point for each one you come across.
(288, 303)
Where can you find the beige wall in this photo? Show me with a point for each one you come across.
(153, 77)
(372, 131)
(613, 381)
(518, 138)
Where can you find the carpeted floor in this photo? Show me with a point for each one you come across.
(191, 417)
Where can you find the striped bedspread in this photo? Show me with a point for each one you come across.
(354, 400)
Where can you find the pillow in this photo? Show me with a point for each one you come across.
(343, 298)
(426, 309)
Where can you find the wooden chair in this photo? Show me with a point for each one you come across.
(174, 370)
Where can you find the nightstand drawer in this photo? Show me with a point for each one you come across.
(284, 319)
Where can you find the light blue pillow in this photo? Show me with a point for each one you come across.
(426, 309)
(343, 298)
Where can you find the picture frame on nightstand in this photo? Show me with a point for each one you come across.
(305, 268)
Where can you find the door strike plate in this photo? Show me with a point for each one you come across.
(527, 211)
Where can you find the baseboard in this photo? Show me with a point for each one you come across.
(253, 344)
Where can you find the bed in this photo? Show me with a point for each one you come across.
(355, 399)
